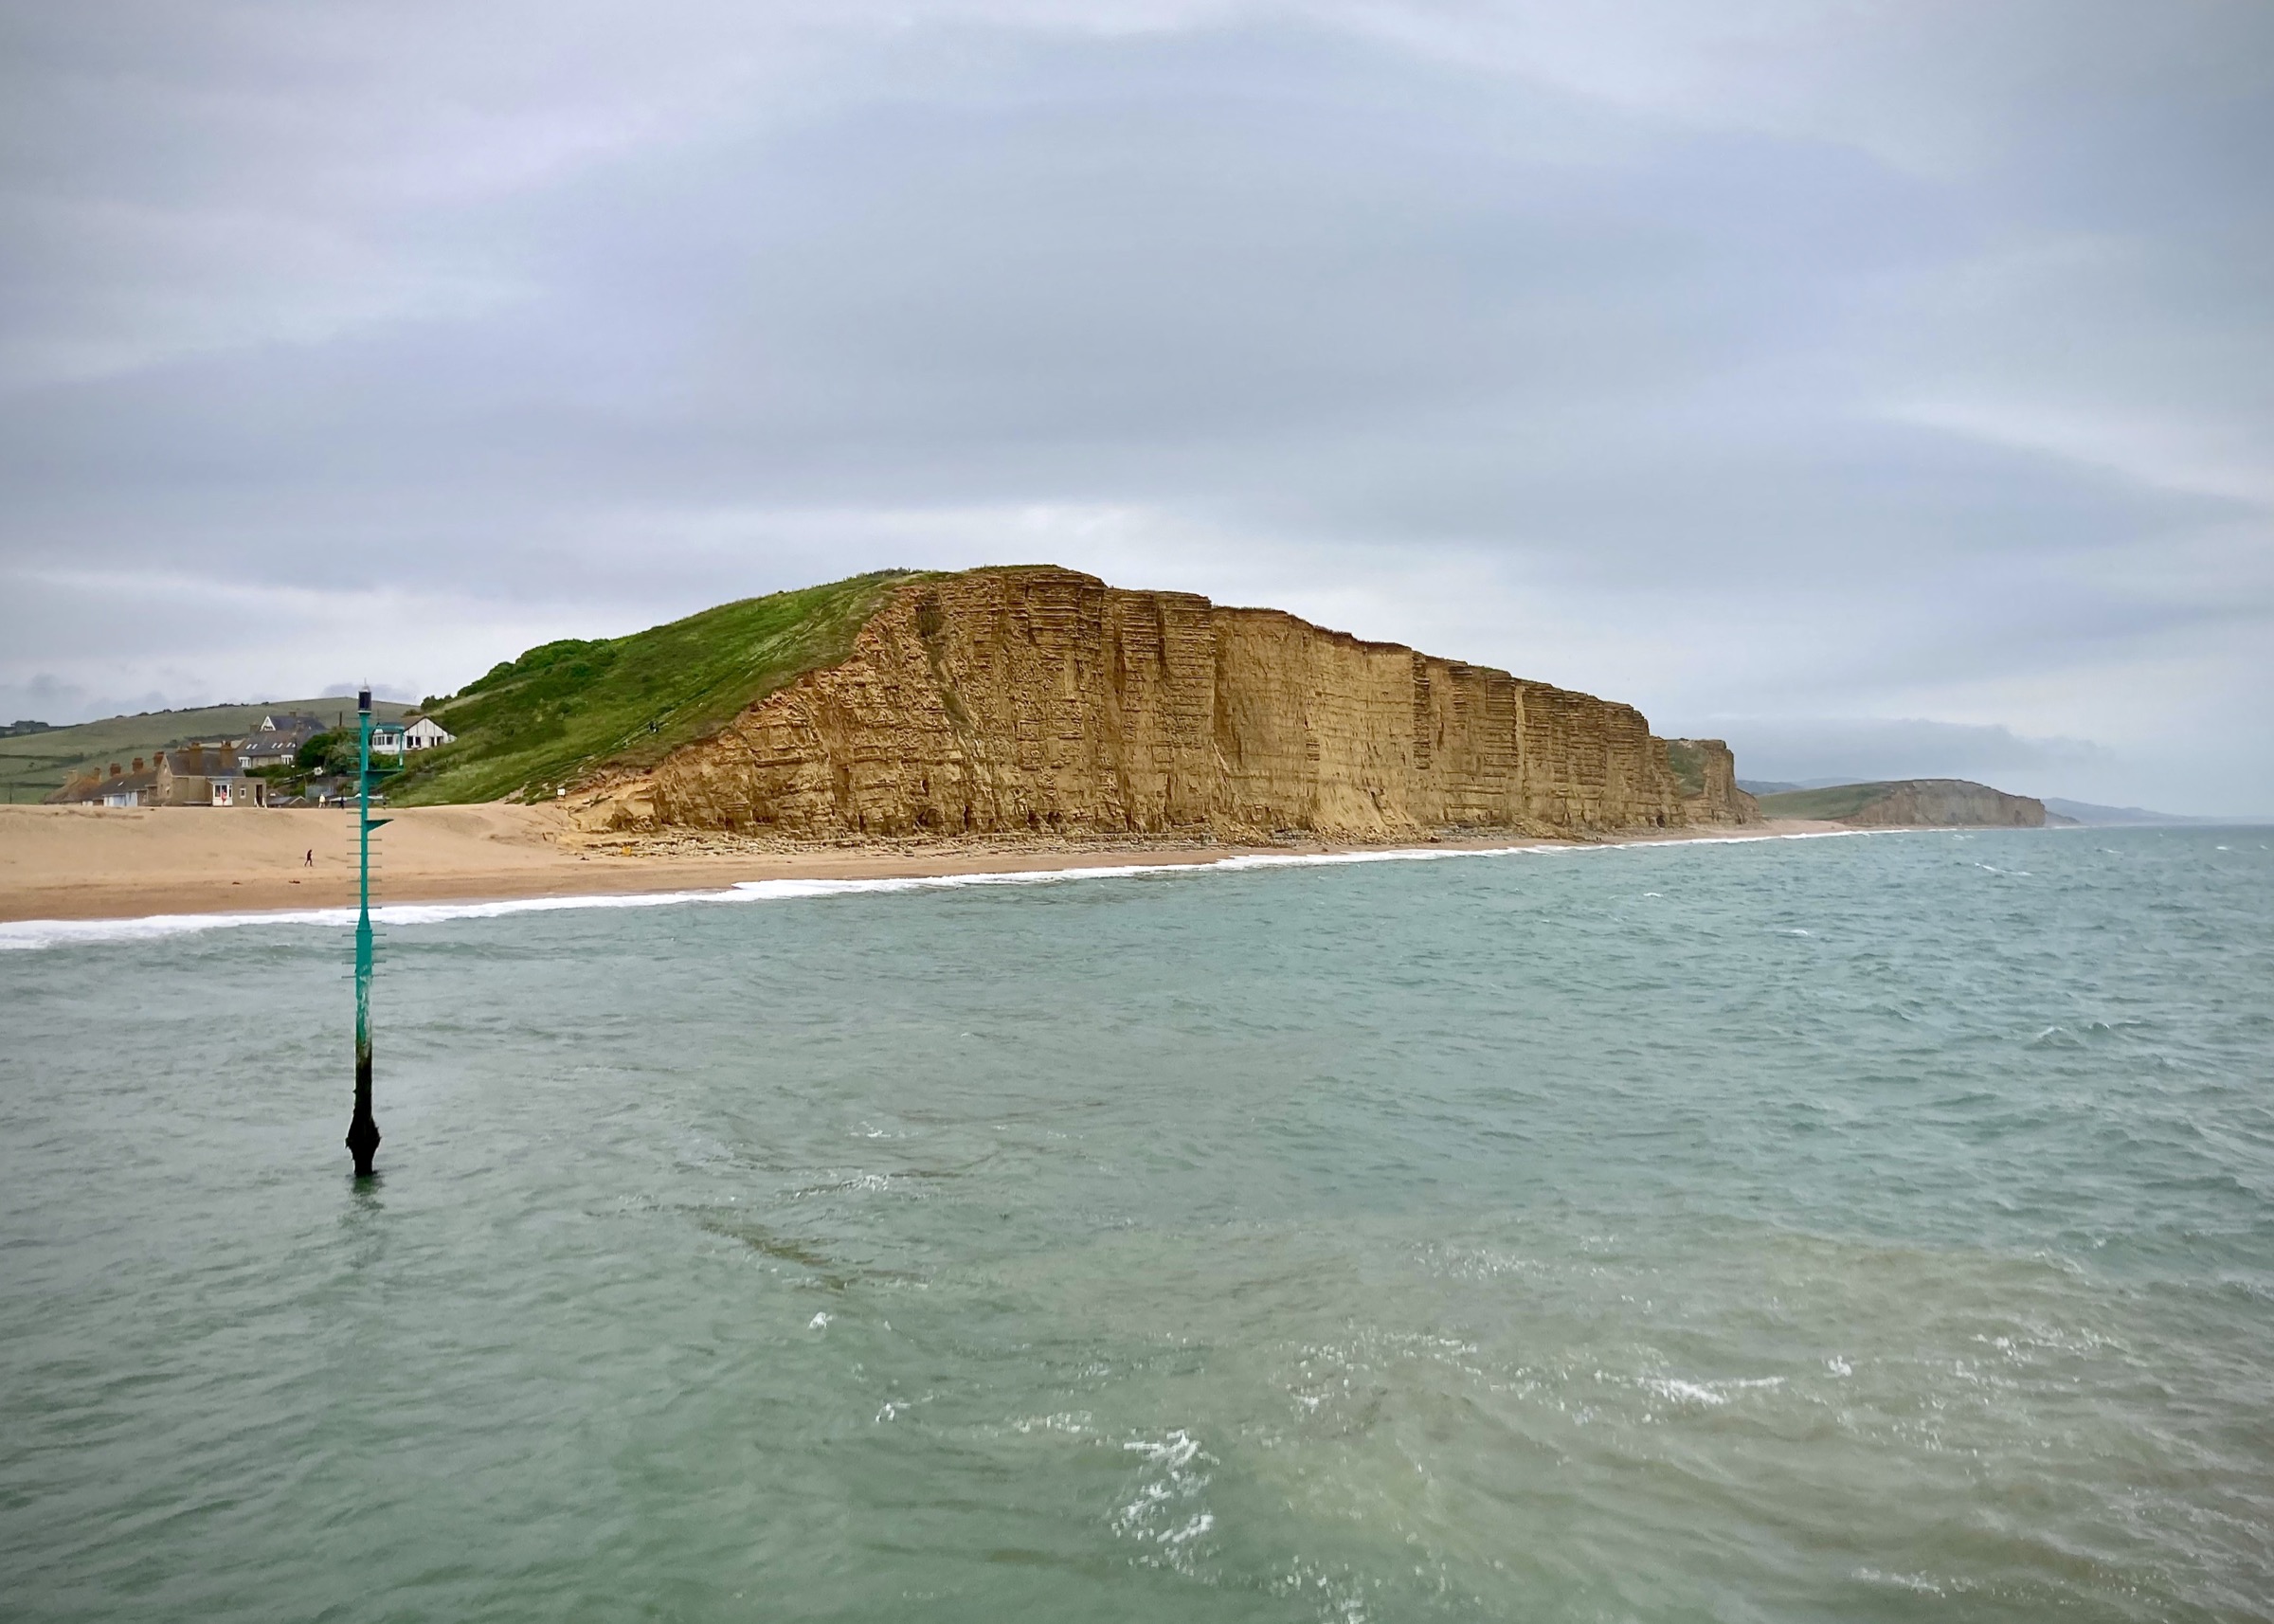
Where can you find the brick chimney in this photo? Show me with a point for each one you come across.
(113, 770)
(138, 764)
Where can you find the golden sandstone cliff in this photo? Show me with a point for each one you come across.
(1038, 700)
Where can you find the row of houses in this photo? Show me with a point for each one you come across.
(280, 736)
(195, 775)
(225, 774)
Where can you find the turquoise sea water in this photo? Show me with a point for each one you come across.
(1869, 1228)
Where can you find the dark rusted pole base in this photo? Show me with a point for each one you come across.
(363, 1133)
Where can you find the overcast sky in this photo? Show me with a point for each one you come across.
(1887, 387)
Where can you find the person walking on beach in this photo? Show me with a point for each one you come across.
(308, 862)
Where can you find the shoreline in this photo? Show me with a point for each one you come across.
(73, 864)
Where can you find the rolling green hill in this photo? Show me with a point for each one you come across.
(33, 763)
(568, 708)
(1841, 800)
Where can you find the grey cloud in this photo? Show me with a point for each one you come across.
(379, 690)
(46, 697)
(1887, 358)
(1797, 748)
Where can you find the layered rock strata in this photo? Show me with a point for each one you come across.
(1039, 700)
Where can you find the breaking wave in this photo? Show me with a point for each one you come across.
(36, 933)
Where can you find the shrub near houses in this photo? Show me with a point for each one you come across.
(321, 757)
(326, 765)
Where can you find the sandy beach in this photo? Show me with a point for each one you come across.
(82, 862)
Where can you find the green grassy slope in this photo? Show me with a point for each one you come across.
(33, 763)
(566, 709)
(1689, 764)
(1840, 800)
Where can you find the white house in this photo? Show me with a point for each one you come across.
(425, 733)
(386, 738)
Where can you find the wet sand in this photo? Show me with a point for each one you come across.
(92, 862)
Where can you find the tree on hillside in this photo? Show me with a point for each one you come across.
(327, 753)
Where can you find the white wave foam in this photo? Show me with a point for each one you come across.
(67, 932)
(36, 933)
(1712, 1394)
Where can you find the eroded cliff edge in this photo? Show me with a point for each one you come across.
(1035, 699)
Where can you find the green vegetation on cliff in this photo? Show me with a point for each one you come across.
(570, 707)
(1825, 805)
(1688, 765)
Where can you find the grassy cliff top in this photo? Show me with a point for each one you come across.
(1829, 806)
(567, 709)
(1688, 765)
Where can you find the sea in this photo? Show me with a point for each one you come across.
(1876, 1227)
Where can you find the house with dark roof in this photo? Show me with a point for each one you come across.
(195, 775)
(205, 775)
(120, 787)
(278, 740)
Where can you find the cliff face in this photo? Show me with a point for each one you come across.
(1705, 773)
(1037, 699)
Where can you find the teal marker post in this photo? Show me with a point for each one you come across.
(363, 1130)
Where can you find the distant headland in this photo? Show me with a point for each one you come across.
(1912, 803)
